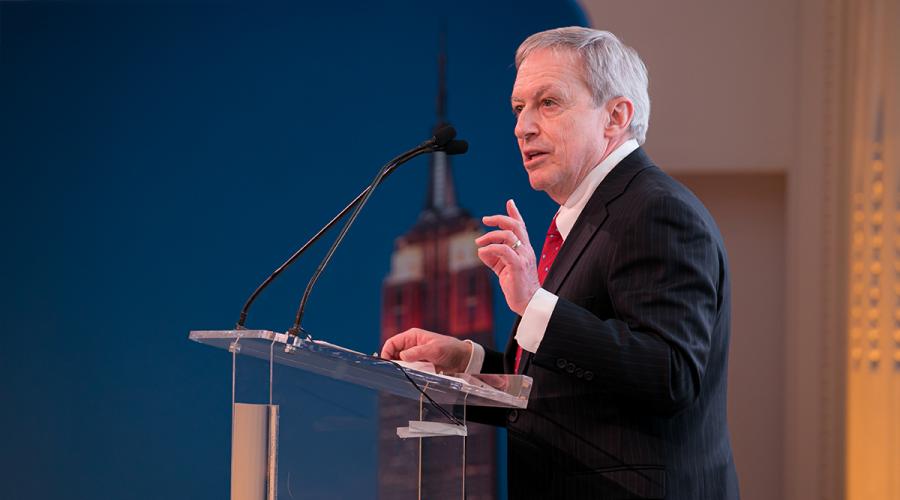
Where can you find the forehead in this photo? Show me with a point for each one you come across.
(549, 69)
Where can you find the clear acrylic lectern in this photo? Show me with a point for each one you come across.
(260, 358)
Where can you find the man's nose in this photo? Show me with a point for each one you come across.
(526, 126)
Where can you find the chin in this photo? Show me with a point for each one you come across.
(538, 181)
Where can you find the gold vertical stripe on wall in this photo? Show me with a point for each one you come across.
(891, 155)
(873, 375)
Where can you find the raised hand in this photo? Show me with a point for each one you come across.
(508, 252)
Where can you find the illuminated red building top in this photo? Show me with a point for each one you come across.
(436, 282)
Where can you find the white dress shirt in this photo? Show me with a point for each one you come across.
(537, 314)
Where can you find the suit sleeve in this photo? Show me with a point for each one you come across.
(663, 285)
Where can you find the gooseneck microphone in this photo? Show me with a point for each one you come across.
(456, 147)
(443, 135)
(441, 141)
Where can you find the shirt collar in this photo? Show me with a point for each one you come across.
(570, 210)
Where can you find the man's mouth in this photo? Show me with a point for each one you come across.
(533, 156)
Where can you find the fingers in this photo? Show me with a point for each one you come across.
(500, 236)
(418, 353)
(498, 256)
(506, 222)
(448, 355)
(492, 262)
(399, 343)
(390, 349)
(517, 274)
(414, 344)
(512, 222)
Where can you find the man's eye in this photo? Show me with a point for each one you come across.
(516, 110)
(548, 102)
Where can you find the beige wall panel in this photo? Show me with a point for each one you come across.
(750, 212)
(722, 78)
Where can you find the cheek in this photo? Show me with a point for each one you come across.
(586, 140)
(567, 136)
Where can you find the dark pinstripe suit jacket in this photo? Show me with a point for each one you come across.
(630, 378)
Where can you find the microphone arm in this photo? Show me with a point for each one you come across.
(442, 139)
(449, 146)
(295, 329)
(243, 317)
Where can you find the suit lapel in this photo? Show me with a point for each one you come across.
(591, 219)
(593, 216)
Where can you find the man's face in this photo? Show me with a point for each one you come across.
(558, 126)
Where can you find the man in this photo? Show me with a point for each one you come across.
(625, 316)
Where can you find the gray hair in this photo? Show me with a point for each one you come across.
(613, 69)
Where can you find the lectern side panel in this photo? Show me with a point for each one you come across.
(398, 459)
(434, 464)
(251, 377)
(326, 436)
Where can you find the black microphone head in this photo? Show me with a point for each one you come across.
(443, 135)
(456, 147)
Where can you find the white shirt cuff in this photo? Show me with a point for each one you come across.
(476, 361)
(534, 322)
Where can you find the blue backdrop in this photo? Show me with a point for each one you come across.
(159, 159)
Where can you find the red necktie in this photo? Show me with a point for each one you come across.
(552, 243)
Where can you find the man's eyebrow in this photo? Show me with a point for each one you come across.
(539, 92)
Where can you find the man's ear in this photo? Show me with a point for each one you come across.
(621, 111)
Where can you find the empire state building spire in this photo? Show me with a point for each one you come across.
(440, 202)
(436, 282)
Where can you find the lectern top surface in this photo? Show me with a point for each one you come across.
(333, 361)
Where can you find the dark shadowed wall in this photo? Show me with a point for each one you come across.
(159, 159)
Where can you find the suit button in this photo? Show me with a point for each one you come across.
(513, 416)
(570, 368)
(561, 363)
(579, 372)
(589, 376)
